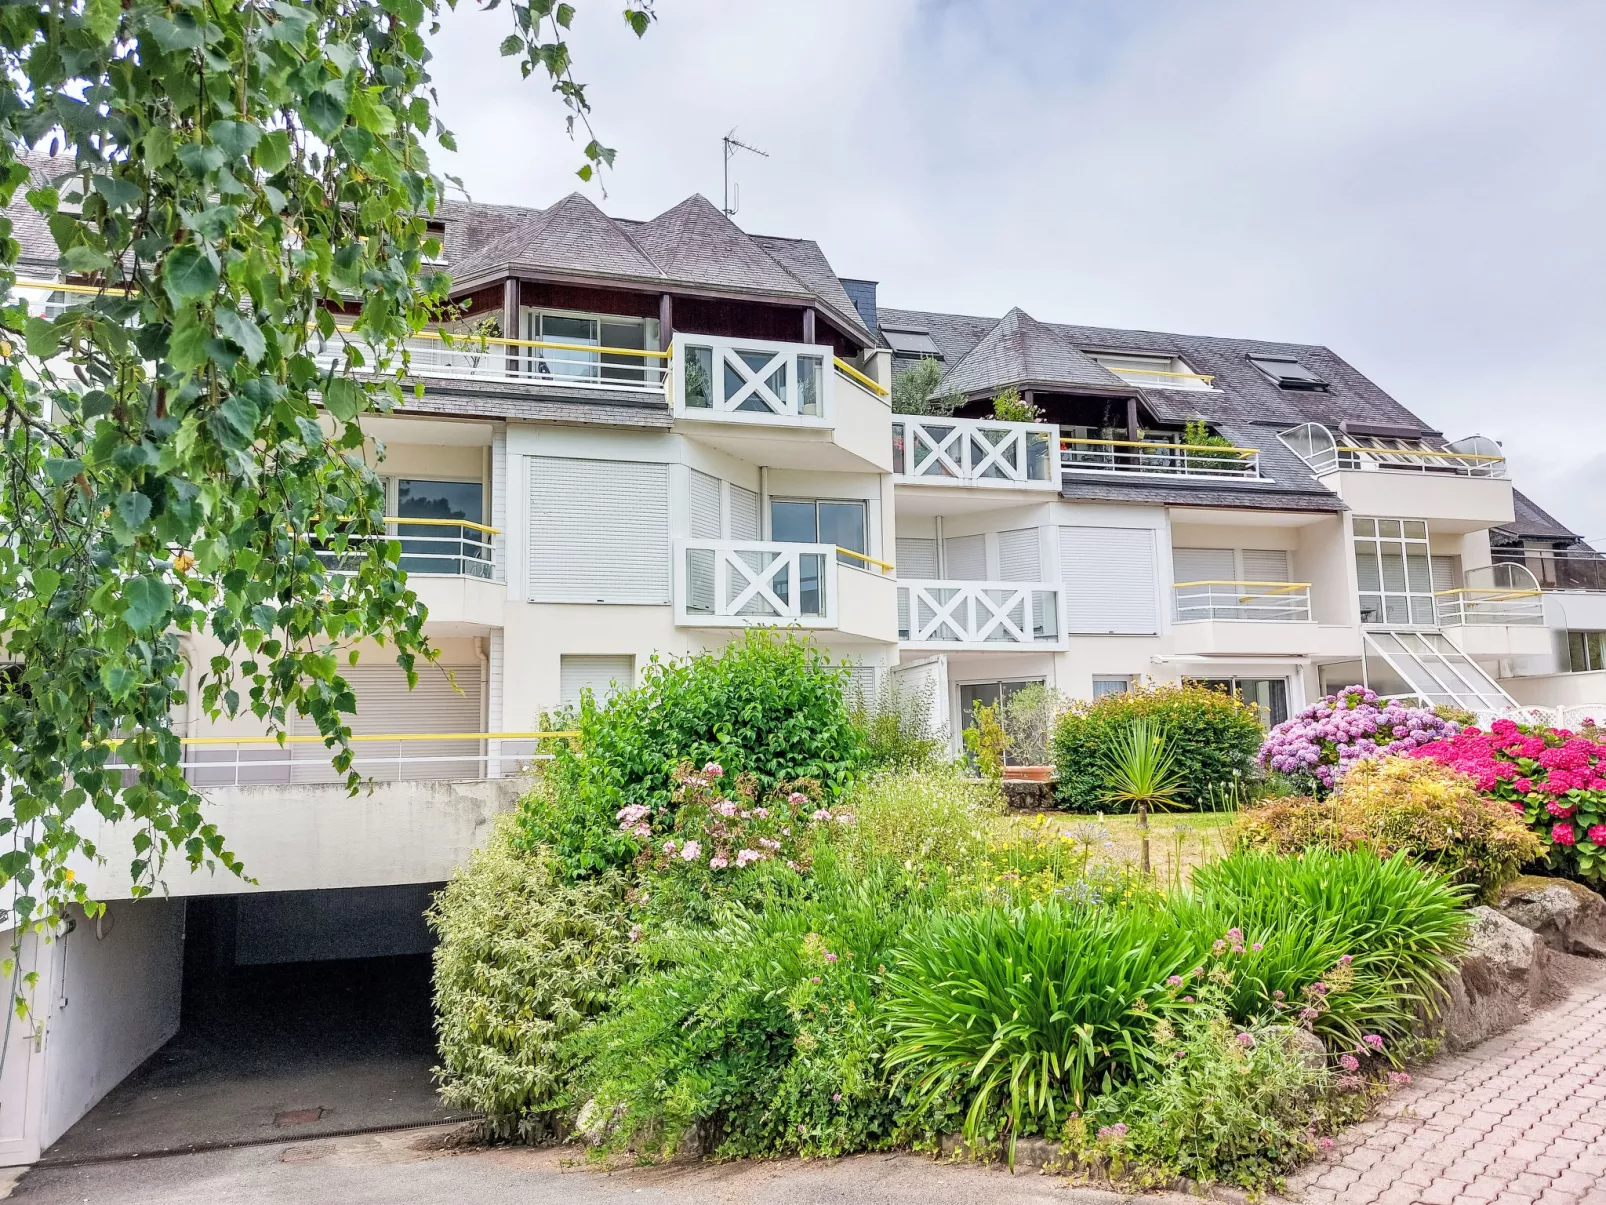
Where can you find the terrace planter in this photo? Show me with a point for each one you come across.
(1029, 774)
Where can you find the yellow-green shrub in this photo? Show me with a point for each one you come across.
(1431, 812)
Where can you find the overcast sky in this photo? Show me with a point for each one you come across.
(1420, 186)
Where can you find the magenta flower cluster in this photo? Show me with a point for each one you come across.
(1327, 738)
(1555, 778)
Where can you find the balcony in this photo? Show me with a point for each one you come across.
(1474, 456)
(1145, 458)
(449, 356)
(1498, 612)
(973, 452)
(1481, 608)
(979, 615)
(1243, 602)
(784, 405)
(741, 584)
(1559, 570)
(454, 566)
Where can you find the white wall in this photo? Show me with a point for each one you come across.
(113, 1000)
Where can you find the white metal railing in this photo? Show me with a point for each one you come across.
(752, 380)
(1254, 602)
(1153, 459)
(1559, 569)
(1317, 446)
(436, 547)
(1570, 717)
(739, 583)
(462, 356)
(216, 761)
(979, 614)
(1458, 608)
(972, 451)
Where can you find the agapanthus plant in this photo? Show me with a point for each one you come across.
(1555, 778)
(1319, 745)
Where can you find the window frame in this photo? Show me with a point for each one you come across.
(864, 509)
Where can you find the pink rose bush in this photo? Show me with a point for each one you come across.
(714, 823)
(1322, 742)
(1554, 778)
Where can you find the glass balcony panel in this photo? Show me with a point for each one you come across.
(810, 370)
(699, 377)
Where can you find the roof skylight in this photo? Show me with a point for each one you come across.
(1287, 373)
(911, 343)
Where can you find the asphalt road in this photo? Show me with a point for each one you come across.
(409, 1166)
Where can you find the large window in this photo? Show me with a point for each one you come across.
(1587, 651)
(1152, 371)
(821, 521)
(576, 335)
(988, 694)
(440, 545)
(1394, 572)
(1269, 695)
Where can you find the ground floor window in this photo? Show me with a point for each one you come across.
(1111, 684)
(1269, 695)
(1587, 651)
(988, 694)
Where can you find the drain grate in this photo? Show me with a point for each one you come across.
(299, 1117)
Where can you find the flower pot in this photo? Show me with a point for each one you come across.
(1029, 773)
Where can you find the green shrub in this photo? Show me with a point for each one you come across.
(1213, 737)
(932, 820)
(1420, 807)
(525, 961)
(895, 724)
(761, 1032)
(1010, 407)
(1029, 1011)
(769, 705)
(1236, 1102)
(1028, 719)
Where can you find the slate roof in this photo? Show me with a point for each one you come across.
(1021, 351)
(1531, 522)
(38, 253)
(692, 245)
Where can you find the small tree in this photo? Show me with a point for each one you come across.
(915, 391)
(1142, 773)
(987, 742)
(1010, 407)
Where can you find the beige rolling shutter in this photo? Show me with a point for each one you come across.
(965, 558)
(1266, 565)
(1446, 572)
(386, 707)
(1109, 579)
(1019, 555)
(703, 506)
(744, 513)
(599, 531)
(917, 557)
(602, 675)
(1203, 565)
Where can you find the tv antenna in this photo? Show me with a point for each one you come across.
(732, 145)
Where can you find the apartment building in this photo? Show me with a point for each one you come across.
(644, 437)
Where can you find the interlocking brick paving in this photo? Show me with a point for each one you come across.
(1519, 1120)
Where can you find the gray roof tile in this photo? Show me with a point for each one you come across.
(1022, 351)
(571, 236)
(1532, 522)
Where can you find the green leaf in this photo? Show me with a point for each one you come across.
(42, 339)
(101, 18)
(183, 32)
(119, 680)
(190, 273)
(133, 508)
(511, 45)
(186, 346)
(158, 147)
(273, 152)
(85, 259)
(119, 193)
(243, 332)
(146, 602)
(343, 398)
(325, 113)
(45, 582)
(237, 138)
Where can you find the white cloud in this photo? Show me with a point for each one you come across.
(1417, 186)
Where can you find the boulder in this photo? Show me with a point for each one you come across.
(1023, 796)
(1569, 916)
(1502, 978)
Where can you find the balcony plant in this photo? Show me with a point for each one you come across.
(1554, 778)
(1197, 435)
(916, 391)
(1010, 407)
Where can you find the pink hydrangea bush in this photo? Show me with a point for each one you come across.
(716, 824)
(1555, 778)
(1319, 745)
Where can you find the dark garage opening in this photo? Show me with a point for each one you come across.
(303, 1013)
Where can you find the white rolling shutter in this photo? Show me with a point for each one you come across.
(1109, 579)
(602, 675)
(1446, 570)
(703, 506)
(744, 513)
(917, 557)
(385, 707)
(965, 558)
(1019, 555)
(1203, 565)
(599, 531)
(1266, 565)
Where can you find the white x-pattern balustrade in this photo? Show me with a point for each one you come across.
(978, 614)
(967, 451)
(729, 583)
(752, 380)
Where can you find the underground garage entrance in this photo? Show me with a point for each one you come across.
(302, 1013)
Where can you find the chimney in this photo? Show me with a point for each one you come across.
(862, 294)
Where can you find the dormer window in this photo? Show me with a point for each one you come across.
(911, 344)
(1152, 371)
(1288, 373)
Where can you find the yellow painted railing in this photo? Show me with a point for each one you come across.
(1155, 372)
(1272, 587)
(1424, 453)
(848, 370)
(869, 560)
(1138, 443)
(479, 527)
